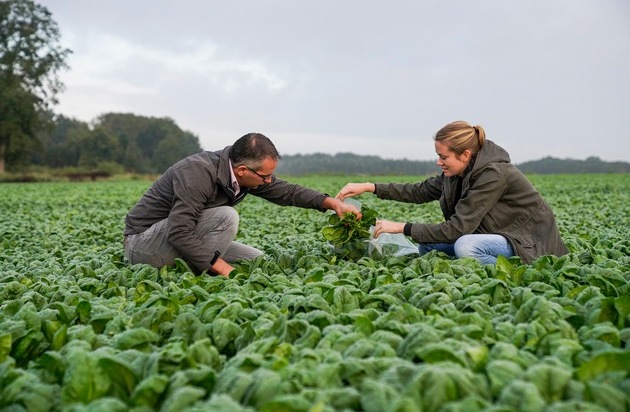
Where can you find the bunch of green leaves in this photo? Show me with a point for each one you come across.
(347, 234)
(347, 228)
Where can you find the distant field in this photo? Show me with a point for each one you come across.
(298, 330)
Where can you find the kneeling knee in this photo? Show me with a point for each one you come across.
(231, 216)
(223, 218)
(464, 247)
(231, 220)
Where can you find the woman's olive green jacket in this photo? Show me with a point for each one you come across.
(495, 198)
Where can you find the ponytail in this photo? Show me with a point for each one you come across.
(461, 136)
(481, 135)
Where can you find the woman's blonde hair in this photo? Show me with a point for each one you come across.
(461, 136)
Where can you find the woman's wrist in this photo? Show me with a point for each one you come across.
(371, 187)
(407, 229)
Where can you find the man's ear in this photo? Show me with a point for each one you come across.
(240, 170)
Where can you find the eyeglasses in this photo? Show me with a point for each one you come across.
(263, 177)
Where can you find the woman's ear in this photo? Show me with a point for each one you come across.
(465, 156)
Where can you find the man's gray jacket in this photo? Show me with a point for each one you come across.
(198, 182)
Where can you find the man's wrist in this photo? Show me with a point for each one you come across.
(328, 202)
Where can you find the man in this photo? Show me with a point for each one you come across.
(189, 211)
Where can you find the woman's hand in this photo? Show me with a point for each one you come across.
(355, 189)
(385, 226)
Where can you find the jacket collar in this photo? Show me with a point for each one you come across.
(224, 175)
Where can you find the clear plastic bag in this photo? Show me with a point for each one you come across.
(387, 244)
(390, 244)
(353, 202)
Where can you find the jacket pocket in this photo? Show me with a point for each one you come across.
(525, 248)
(525, 241)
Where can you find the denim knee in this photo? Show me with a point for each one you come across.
(483, 247)
(466, 246)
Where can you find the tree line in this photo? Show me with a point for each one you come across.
(353, 164)
(114, 142)
(125, 142)
(553, 165)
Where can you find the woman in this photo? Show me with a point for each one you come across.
(489, 206)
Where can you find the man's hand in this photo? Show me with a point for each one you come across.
(340, 207)
(222, 268)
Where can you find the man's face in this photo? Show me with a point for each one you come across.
(254, 177)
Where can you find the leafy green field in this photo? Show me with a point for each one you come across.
(299, 330)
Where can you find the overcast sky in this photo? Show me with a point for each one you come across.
(543, 77)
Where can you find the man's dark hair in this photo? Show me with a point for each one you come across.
(252, 149)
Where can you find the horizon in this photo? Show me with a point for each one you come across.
(433, 161)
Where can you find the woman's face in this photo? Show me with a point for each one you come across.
(451, 164)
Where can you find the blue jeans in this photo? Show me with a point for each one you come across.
(484, 248)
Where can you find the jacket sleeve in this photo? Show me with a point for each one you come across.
(283, 193)
(474, 205)
(422, 192)
(189, 195)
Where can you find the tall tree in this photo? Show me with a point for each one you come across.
(30, 57)
(148, 144)
(172, 148)
(99, 146)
